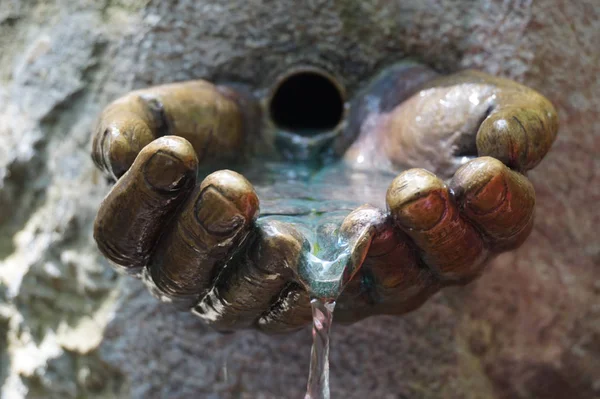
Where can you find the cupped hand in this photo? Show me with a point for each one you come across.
(199, 243)
(467, 141)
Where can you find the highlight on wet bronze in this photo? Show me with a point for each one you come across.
(241, 204)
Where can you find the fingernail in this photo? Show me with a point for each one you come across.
(423, 213)
(165, 172)
(417, 199)
(117, 153)
(236, 189)
(489, 196)
(217, 214)
(481, 185)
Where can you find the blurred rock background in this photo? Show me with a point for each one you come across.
(71, 328)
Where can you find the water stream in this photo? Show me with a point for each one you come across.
(318, 377)
(316, 203)
(325, 280)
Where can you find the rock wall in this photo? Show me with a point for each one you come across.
(71, 328)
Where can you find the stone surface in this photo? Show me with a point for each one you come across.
(70, 327)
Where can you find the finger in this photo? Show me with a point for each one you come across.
(358, 229)
(421, 207)
(359, 295)
(212, 225)
(521, 128)
(205, 116)
(390, 281)
(249, 286)
(197, 110)
(522, 124)
(125, 127)
(132, 216)
(291, 312)
(400, 281)
(499, 201)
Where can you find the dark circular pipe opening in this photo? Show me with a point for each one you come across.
(307, 103)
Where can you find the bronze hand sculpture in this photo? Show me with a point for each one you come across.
(202, 244)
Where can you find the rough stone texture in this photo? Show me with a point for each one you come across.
(69, 327)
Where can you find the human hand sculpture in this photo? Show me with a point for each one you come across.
(202, 244)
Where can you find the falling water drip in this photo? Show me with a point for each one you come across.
(318, 377)
(331, 254)
(325, 281)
